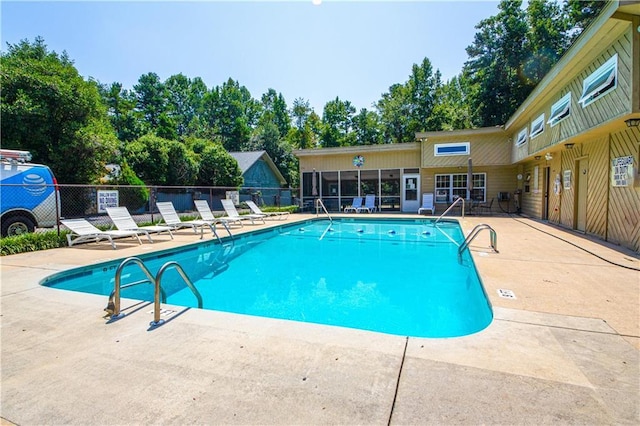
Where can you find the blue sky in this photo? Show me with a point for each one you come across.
(351, 49)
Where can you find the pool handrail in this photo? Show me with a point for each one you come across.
(474, 233)
(450, 207)
(156, 297)
(319, 204)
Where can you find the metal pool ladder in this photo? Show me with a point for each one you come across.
(113, 306)
(474, 233)
(320, 206)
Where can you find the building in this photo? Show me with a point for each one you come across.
(261, 178)
(568, 155)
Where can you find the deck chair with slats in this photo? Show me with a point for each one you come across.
(232, 213)
(82, 232)
(171, 219)
(355, 205)
(369, 204)
(427, 203)
(267, 215)
(124, 222)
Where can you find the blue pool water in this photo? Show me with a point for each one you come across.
(393, 276)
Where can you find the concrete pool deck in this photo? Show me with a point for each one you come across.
(565, 350)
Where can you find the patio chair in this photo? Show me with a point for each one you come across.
(355, 205)
(369, 204)
(485, 207)
(427, 203)
(232, 213)
(170, 218)
(82, 231)
(267, 215)
(124, 222)
(206, 214)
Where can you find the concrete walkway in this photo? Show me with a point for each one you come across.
(564, 351)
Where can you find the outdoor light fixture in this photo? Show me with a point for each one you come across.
(548, 156)
(568, 145)
(537, 157)
(633, 122)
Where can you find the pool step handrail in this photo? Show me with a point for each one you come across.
(320, 206)
(457, 200)
(156, 297)
(474, 233)
(113, 305)
(226, 226)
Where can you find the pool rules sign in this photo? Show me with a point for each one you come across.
(622, 171)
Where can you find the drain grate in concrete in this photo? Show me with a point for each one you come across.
(507, 294)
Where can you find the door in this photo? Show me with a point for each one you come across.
(545, 193)
(410, 193)
(581, 202)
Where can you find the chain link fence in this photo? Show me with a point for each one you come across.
(23, 211)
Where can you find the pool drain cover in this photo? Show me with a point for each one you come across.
(507, 294)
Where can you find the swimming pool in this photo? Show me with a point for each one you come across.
(399, 277)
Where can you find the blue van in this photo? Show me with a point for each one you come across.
(29, 195)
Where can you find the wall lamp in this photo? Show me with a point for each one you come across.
(548, 156)
(537, 157)
(569, 145)
(633, 122)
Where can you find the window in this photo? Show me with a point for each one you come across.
(537, 126)
(602, 81)
(560, 110)
(449, 187)
(522, 137)
(445, 149)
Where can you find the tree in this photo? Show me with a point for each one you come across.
(121, 104)
(218, 168)
(50, 110)
(367, 129)
(148, 156)
(422, 86)
(274, 110)
(151, 99)
(395, 114)
(336, 123)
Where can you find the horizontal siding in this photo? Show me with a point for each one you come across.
(372, 161)
(485, 150)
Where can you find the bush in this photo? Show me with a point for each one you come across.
(32, 242)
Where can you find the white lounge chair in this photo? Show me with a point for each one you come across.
(82, 231)
(170, 218)
(355, 205)
(273, 215)
(206, 214)
(232, 213)
(369, 204)
(427, 203)
(124, 222)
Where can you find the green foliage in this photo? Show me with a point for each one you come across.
(135, 194)
(218, 168)
(148, 156)
(32, 242)
(50, 110)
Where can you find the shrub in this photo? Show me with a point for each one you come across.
(32, 242)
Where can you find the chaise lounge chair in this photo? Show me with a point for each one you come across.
(124, 222)
(232, 213)
(369, 204)
(171, 219)
(273, 215)
(427, 203)
(82, 231)
(355, 205)
(206, 214)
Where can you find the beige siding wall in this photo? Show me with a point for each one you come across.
(372, 161)
(614, 104)
(485, 150)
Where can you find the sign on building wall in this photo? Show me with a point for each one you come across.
(622, 171)
(566, 179)
(107, 199)
(234, 196)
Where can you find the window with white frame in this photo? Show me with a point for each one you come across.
(560, 110)
(445, 149)
(451, 186)
(537, 126)
(522, 137)
(600, 82)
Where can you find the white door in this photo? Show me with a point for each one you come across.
(410, 193)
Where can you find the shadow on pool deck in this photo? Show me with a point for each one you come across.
(565, 350)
